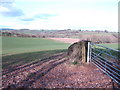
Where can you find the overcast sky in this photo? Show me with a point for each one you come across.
(59, 14)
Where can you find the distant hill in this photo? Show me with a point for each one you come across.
(6, 29)
(95, 36)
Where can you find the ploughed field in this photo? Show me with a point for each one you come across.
(53, 72)
(36, 62)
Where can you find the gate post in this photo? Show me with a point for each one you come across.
(88, 53)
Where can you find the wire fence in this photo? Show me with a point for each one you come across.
(107, 60)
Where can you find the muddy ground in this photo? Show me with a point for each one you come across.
(54, 72)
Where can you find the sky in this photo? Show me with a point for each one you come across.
(59, 14)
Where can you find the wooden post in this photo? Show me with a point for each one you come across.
(83, 52)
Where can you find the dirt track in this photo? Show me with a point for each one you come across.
(53, 72)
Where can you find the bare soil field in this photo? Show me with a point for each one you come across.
(94, 37)
(53, 72)
(65, 40)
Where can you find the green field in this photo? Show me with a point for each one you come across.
(112, 45)
(18, 51)
(15, 45)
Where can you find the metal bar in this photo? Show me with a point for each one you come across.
(106, 73)
(100, 65)
(107, 60)
(106, 54)
(110, 65)
(106, 67)
(106, 47)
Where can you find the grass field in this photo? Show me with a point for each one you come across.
(112, 45)
(18, 51)
(15, 45)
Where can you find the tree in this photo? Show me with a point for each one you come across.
(106, 31)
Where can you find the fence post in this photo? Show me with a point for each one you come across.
(88, 53)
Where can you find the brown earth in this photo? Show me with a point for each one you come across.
(101, 38)
(53, 72)
(65, 40)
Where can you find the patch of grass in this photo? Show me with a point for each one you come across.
(112, 45)
(75, 62)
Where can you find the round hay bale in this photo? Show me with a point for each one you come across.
(77, 52)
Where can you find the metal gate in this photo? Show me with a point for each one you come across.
(106, 59)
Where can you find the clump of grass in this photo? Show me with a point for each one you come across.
(75, 62)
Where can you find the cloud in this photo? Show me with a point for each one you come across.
(6, 3)
(4, 26)
(12, 12)
(42, 16)
(27, 19)
(45, 16)
(8, 9)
